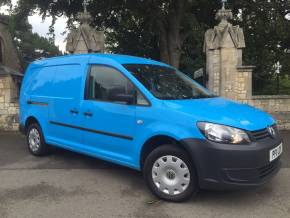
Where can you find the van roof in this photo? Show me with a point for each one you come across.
(122, 59)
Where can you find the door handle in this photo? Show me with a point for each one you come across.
(88, 114)
(74, 111)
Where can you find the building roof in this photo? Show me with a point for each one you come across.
(8, 71)
(4, 19)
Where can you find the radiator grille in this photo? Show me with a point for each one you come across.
(260, 134)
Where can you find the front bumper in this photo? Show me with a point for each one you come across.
(224, 166)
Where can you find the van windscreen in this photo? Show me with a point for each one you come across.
(167, 83)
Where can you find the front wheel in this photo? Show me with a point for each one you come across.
(170, 174)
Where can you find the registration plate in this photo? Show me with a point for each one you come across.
(276, 152)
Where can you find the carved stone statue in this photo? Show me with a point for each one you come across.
(216, 37)
(85, 39)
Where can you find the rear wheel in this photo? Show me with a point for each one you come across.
(170, 174)
(35, 140)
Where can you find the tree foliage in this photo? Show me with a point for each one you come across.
(30, 46)
(173, 31)
(268, 41)
(154, 28)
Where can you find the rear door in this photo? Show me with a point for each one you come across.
(109, 126)
(64, 114)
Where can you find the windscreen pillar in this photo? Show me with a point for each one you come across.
(223, 46)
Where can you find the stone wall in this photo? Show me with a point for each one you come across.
(276, 105)
(9, 107)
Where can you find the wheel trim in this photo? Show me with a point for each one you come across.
(170, 175)
(34, 140)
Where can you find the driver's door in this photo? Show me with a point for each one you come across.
(109, 126)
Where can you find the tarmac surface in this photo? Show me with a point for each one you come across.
(65, 184)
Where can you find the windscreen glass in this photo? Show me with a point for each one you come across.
(167, 83)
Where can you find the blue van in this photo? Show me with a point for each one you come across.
(148, 116)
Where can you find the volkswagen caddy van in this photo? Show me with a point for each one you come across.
(151, 117)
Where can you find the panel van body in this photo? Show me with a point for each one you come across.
(138, 113)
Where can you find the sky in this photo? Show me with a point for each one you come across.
(42, 27)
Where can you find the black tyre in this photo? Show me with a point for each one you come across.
(170, 174)
(35, 140)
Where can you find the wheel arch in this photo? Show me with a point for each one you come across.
(29, 121)
(159, 140)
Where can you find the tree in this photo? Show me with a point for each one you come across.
(268, 40)
(30, 46)
(168, 18)
(168, 22)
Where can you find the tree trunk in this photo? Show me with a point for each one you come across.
(163, 45)
(170, 48)
(174, 47)
(170, 42)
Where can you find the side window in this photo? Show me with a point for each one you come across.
(105, 83)
(141, 100)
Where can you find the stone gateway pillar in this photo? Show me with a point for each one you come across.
(228, 78)
(223, 46)
(85, 39)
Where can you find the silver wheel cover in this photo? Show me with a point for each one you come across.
(34, 140)
(170, 175)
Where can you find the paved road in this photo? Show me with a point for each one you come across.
(65, 184)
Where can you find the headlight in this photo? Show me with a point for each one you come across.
(223, 134)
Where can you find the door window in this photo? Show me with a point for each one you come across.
(105, 83)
